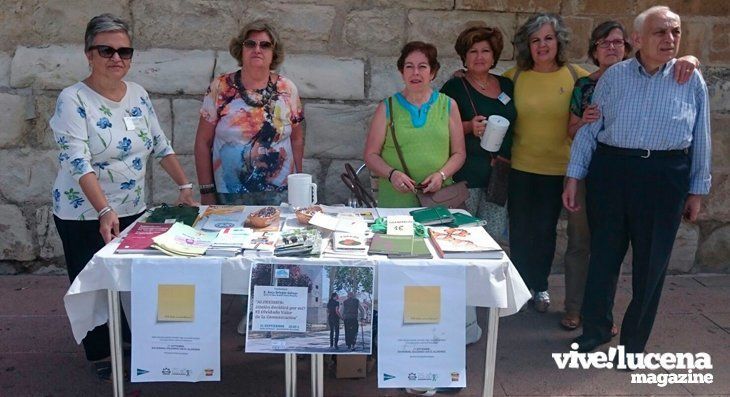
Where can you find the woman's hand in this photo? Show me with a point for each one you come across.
(478, 125)
(402, 183)
(432, 183)
(208, 199)
(684, 68)
(591, 114)
(109, 226)
(186, 197)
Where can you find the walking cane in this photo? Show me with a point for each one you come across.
(362, 334)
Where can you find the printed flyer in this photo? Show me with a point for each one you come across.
(421, 323)
(311, 308)
(176, 312)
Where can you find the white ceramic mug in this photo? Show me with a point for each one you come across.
(302, 192)
(497, 126)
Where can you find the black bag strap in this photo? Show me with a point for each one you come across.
(391, 127)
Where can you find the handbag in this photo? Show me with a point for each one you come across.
(496, 190)
(452, 196)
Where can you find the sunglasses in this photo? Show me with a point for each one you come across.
(107, 52)
(264, 45)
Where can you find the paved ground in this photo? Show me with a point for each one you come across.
(39, 358)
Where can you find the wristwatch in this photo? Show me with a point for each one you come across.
(207, 188)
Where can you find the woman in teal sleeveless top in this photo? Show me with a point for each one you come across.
(428, 130)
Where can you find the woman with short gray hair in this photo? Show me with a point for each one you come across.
(543, 81)
(105, 129)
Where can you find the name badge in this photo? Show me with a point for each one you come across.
(133, 123)
(504, 98)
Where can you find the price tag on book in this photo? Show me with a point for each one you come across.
(400, 225)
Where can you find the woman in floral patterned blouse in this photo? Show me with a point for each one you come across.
(106, 129)
(250, 135)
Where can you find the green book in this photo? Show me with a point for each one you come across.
(464, 220)
(432, 216)
(172, 214)
(399, 247)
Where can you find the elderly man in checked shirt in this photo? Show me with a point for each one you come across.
(646, 162)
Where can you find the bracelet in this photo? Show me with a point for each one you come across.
(390, 174)
(104, 211)
(185, 186)
(443, 176)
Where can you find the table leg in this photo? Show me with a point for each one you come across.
(115, 342)
(491, 354)
(317, 375)
(290, 374)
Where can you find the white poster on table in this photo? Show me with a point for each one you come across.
(176, 316)
(421, 317)
(310, 308)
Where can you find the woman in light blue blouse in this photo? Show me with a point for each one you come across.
(105, 128)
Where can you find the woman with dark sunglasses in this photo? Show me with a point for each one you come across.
(250, 135)
(105, 129)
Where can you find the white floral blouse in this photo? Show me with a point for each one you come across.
(112, 140)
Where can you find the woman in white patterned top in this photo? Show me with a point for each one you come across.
(105, 129)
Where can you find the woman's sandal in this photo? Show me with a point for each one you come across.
(570, 321)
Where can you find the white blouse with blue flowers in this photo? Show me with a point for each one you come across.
(92, 136)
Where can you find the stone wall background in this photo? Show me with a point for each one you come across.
(341, 55)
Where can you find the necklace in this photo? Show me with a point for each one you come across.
(261, 98)
(479, 84)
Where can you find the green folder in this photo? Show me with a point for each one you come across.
(432, 216)
(171, 214)
(464, 220)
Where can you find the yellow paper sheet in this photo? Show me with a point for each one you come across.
(175, 302)
(422, 304)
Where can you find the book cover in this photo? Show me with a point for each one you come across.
(139, 238)
(464, 243)
(348, 242)
(217, 217)
(399, 247)
(432, 216)
(183, 240)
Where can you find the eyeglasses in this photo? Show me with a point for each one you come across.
(607, 43)
(107, 52)
(263, 44)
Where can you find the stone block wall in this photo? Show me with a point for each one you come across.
(340, 53)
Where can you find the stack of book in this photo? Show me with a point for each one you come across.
(400, 247)
(299, 242)
(183, 240)
(217, 217)
(229, 242)
(464, 243)
(139, 239)
(345, 245)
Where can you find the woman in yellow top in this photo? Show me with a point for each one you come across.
(540, 151)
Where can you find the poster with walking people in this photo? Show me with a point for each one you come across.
(310, 308)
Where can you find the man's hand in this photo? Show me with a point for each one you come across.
(569, 192)
(692, 207)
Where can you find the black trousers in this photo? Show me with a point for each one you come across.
(534, 204)
(334, 324)
(638, 201)
(350, 331)
(81, 240)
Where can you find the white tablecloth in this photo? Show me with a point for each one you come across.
(491, 283)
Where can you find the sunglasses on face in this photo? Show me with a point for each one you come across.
(107, 52)
(263, 44)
